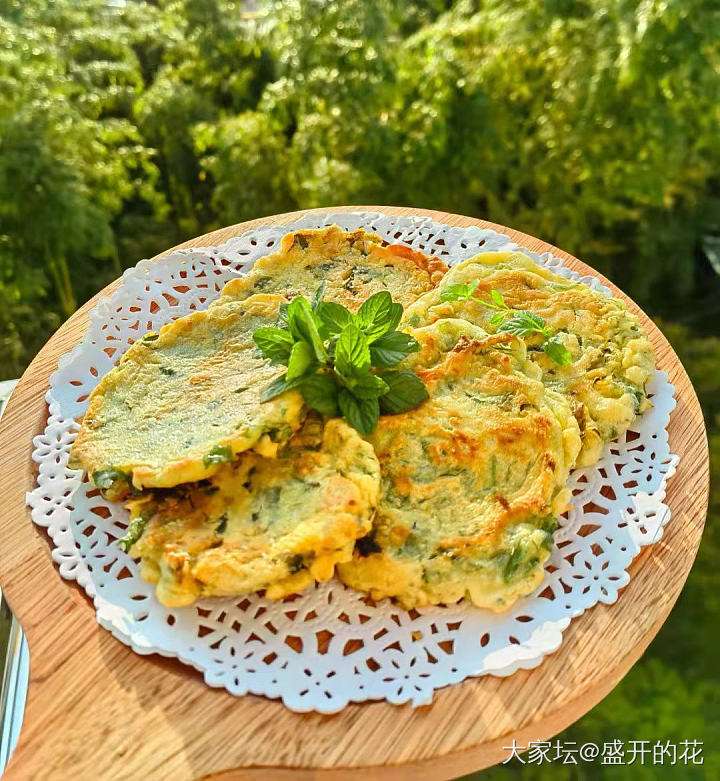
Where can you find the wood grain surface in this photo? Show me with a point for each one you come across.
(96, 710)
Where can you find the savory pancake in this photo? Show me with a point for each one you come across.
(351, 265)
(183, 401)
(612, 359)
(261, 523)
(472, 480)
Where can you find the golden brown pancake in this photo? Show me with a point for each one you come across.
(612, 358)
(185, 400)
(472, 480)
(351, 266)
(261, 523)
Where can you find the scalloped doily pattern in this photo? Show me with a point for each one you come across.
(329, 646)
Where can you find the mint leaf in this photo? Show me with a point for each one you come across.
(406, 391)
(317, 298)
(536, 320)
(456, 292)
(274, 343)
(497, 319)
(334, 317)
(351, 351)
(361, 414)
(523, 324)
(497, 297)
(556, 351)
(278, 386)
(302, 358)
(329, 352)
(366, 385)
(389, 349)
(320, 391)
(377, 307)
(299, 317)
(376, 315)
(395, 315)
(302, 325)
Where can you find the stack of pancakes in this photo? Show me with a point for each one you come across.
(456, 498)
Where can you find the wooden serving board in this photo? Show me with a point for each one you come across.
(97, 710)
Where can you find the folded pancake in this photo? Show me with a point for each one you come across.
(472, 480)
(351, 265)
(183, 401)
(612, 358)
(261, 523)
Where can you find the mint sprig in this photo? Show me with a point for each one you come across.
(520, 323)
(343, 363)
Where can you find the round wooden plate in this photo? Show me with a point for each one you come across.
(95, 709)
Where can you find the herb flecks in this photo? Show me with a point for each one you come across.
(134, 532)
(520, 323)
(220, 454)
(113, 483)
(221, 524)
(344, 363)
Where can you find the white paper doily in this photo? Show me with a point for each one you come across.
(327, 647)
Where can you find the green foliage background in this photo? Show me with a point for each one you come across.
(126, 127)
